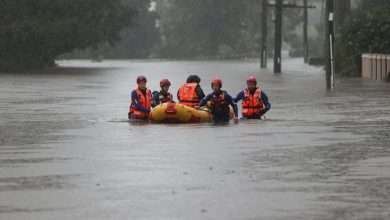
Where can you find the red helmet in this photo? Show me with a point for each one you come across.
(251, 79)
(216, 81)
(141, 79)
(165, 82)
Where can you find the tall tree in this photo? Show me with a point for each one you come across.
(366, 31)
(136, 41)
(202, 27)
(33, 33)
(342, 12)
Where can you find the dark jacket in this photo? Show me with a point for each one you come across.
(160, 98)
(220, 107)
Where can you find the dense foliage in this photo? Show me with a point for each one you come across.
(194, 28)
(139, 40)
(33, 33)
(219, 28)
(366, 31)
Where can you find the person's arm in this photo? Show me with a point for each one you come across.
(155, 99)
(233, 104)
(137, 104)
(204, 101)
(266, 102)
(199, 92)
(240, 96)
(178, 96)
(235, 109)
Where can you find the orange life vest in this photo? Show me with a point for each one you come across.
(188, 95)
(145, 101)
(252, 105)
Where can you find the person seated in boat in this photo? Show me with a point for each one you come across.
(255, 103)
(219, 102)
(191, 92)
(163, 96)
(141, 100)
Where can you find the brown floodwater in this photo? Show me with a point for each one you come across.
(68, 152)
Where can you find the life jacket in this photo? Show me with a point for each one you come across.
(188, 95)
(145, 101)
(165, 98)
(252, 105)
(218, 104)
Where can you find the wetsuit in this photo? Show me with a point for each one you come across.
(161, 97)
(219, 105)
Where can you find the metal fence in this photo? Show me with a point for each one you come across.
(376, 66)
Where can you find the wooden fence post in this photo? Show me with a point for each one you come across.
(388, 67)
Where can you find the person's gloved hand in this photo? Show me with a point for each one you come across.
(210, 104)
(262, 113)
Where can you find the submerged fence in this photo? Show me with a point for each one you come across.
(376, 66)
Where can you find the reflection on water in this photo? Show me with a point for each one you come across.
(67, 150)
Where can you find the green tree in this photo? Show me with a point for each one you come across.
(193, 28)
(136, 41)
(367, 31)
(219, 28)
(34, 33)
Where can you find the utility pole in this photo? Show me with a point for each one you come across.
(264, 34)
(329, 48)
(305, 32)
(278, 37)
(278, 7)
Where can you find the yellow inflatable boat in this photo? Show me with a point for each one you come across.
(178, 113)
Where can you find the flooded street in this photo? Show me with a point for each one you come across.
(68, 152)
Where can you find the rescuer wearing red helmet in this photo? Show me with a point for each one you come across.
(163, 96)
(141, 100)
(218, 102)
(255, 102)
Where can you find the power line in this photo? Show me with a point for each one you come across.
(278, 7)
